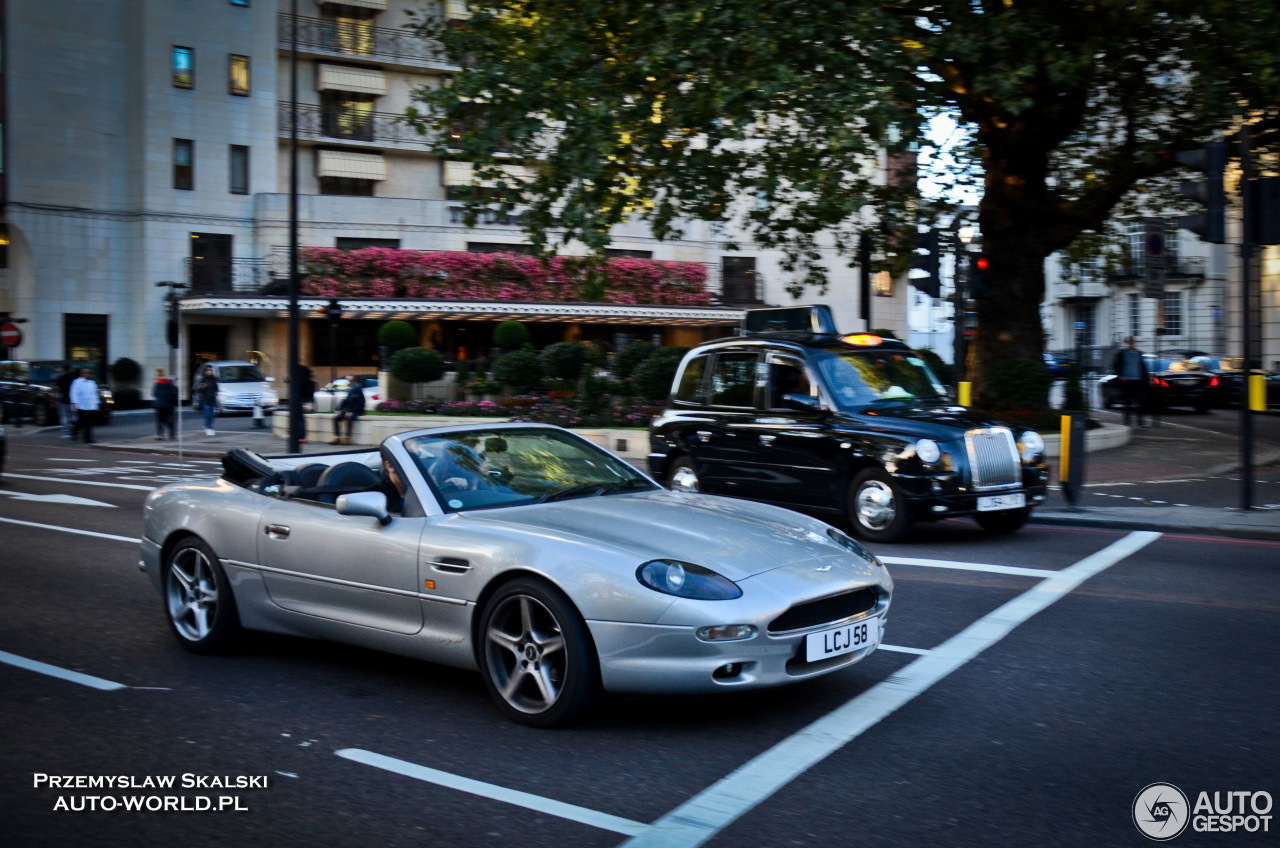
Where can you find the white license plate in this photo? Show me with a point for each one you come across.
(991, 503)
(842, 640)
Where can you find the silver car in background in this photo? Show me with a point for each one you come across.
(523, 551)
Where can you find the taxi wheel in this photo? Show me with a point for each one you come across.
(876, 507)
(683, 476)
(1004, 521)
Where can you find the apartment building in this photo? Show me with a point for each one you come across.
(147, 142)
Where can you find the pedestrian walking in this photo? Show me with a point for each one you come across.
(84, 400)
(351, 408)
(1131, 370)
(164, 399)
(66, 412)
(207, 394)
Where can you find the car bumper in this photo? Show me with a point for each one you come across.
(244, 405)
(930, 498)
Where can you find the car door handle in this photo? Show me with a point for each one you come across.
(704, 436)
(276, 531)
(767, 438)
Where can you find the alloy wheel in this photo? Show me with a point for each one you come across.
(526, 654)
(192, 594)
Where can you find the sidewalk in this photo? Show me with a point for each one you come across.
(1154, 459)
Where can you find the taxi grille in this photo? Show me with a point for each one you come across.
(824, 611)
(993, 458)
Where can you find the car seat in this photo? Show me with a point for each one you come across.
(344, 479)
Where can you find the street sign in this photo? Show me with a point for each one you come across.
(10, 335)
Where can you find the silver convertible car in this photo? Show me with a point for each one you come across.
(521, 550)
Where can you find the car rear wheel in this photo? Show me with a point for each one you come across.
(41, 415)
(197, 597)
(1004, 521)
(683, 476)
(536, 655)
(876, 507)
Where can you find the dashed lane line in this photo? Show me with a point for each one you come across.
(131, 539)
(76, 482)
(970, 566)
(61, 673)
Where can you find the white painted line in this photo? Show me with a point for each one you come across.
(536, 803)
(899, 649)
(132, 539)
(970, 566)
(716, 807)
(62, 673)
(80, 482)
(59, 459)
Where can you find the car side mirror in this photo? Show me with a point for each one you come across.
(271, 379)
(804, 403)
(372, 504)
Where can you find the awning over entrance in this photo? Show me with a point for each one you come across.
(582, 313)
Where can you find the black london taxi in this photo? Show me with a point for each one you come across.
(792, 412)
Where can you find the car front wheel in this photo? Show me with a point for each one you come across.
(536, 655)
(41, 415)
(197, 597)
(683, 476)
(1004, 521)
(876, 507)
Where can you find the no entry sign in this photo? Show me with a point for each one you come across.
(10, 335)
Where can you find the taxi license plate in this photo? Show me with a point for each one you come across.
(842, 640)
(991, 503)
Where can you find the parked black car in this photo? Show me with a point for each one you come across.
(793, 413)
(1171, 383)
(25, 399)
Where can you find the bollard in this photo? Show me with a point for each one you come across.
(1071, 457)
(964, 392)
(1257, 393)
(258, 422)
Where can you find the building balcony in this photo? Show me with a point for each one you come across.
(1186, 268)
(742, 292)
(226, 276)
(378, 129)
(361, 40)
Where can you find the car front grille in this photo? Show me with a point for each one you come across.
(993, 458)
(825, 611)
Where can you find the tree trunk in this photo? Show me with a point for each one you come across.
(1013, 216)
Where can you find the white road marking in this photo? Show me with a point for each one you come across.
(899, 649)
(57, 499)
(62, 673)
(707, 813)
(970, 566)
(59, 459)
(536, 803)
(132, 539)
(80, 482)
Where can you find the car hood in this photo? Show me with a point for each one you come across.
(734, 537)
(933, 421)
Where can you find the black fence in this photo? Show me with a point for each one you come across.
(357, 39)
(346, 125)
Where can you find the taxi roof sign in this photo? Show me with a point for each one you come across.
(863, 339)
(815, 320)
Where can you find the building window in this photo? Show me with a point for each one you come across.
(4, 245)
(1084, 324)
(1135, 315)
(618, 252)
(498, 247)
(1173, 313)
(354, 243)
(345, 115)
(346, 185)
(239, 168)
(739, 282)
(1137, 247)
(184, 170)
(84, 341)
(184, 68)
(239, 75)
(348, 29)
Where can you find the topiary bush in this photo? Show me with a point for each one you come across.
(125, 371)
(629, 358)
(564, 360)
(1018, 384)
(397, 334)
(510, 335)
(417, 365)
(654, 376)
(519, 370)
(592, 391)
(942, 370)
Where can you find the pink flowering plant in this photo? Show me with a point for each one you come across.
(379, 272)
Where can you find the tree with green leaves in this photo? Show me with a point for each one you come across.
(669, 111)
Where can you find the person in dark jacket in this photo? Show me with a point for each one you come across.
(207, 394)
(1131, 372)
(164, 398)
(351, 408)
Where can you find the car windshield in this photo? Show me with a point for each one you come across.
(862, 378)
(482, 469)
(240, 374)
(15, 371)
(1173, 365)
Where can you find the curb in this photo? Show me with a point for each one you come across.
(1127, 523)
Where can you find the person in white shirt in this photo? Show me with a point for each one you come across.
(84, 400)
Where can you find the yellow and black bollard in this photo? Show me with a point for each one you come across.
(1071, 457)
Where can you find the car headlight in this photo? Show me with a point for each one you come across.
(686, 580)
(928, 451)
(850, 544)
(1032, 445)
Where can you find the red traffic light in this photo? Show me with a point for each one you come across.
(982, 263)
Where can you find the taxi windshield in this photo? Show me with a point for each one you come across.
(862, 378)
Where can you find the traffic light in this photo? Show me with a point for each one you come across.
(927, 262)
(1211, 161)
(979, 275)
(333, 311)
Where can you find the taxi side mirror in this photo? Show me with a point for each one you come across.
(803, 403)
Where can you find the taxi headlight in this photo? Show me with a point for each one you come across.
(686, 580)
(1032, 445)
(928, 451)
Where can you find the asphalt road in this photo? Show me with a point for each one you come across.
(1029, 687)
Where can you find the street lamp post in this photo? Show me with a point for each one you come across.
(334, 313)
(296, 432)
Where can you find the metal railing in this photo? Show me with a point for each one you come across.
(315, 121)
(226, 276)
(357, 39)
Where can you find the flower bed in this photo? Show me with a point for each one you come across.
(381, 272)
